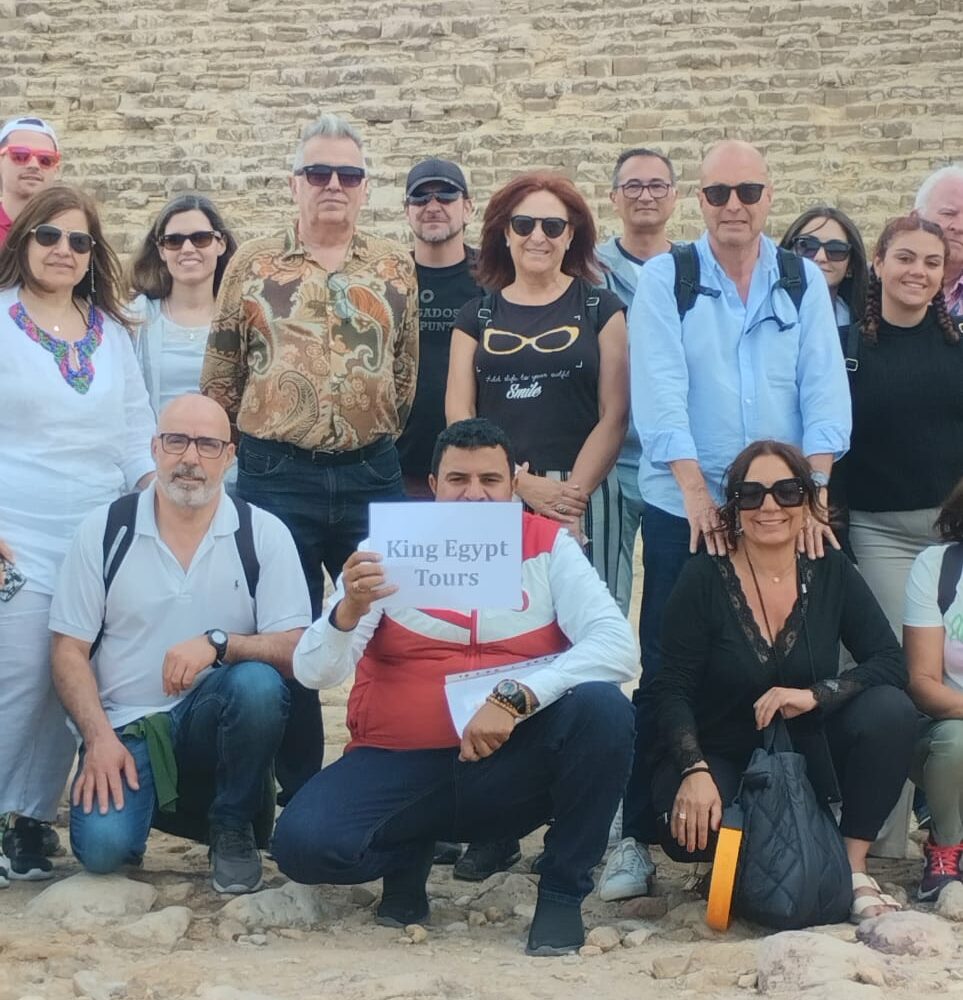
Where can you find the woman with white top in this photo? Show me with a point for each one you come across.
(75, 432)
(176, 275)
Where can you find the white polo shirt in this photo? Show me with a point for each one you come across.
(154, 603)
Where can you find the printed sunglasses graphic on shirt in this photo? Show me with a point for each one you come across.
(507, 342)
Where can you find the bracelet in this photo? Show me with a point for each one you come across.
(696, 769)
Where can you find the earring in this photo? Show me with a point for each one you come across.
(737, 527)
(92, 286)
(508, 242)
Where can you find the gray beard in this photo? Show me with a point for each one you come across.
(191, 497)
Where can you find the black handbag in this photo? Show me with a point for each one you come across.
(781, 861)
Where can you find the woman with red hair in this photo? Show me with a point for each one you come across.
(544, 356)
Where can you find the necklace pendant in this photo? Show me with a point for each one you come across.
(776, 579)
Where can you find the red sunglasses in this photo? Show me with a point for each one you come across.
(21, 155)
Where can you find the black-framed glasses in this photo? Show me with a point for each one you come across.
(319, 175)
(634, 189)
(207, 447)
(49, 236)
(750, 495)
(809, 246)
(748, 193)
(524, 225)
(200, 240)
(444, 197)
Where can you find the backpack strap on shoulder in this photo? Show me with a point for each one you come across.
(118, 536)
(951, 569)
(685, 256)
(244, 539)
(591, 299)
(792, 275)
(485, 310)
(853, 336)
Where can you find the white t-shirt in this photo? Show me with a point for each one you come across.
(154, 603)
(922, 610)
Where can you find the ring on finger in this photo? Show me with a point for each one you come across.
(561, 508)
(682, 815)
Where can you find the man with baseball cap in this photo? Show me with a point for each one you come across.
(438, 209)
(29, 157)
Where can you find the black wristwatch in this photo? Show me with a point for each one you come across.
(217, 637)
(513, 696)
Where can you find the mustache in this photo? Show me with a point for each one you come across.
(185, 470)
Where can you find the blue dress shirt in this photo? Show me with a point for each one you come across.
(730, 372)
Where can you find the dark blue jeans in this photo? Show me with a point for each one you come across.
(324, 504)
(665, 550)
(229, 726)
(372, 812)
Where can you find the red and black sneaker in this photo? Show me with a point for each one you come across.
(941, 867)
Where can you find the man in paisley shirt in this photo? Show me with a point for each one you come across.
(314, 356)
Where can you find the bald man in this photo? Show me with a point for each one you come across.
(177, 664)
(733, 361)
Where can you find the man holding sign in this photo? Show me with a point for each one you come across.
(555, 744)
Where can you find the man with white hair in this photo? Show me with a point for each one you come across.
(29, 158)
(940, 200)
(314, 355)
(171, 642)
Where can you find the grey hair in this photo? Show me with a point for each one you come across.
(332, 127)
(926, 188)
(630, 154)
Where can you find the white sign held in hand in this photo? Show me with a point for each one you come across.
(450, 555)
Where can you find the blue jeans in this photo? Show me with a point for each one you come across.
(324, 504)
(373, 812)
(664, 553)
(230, 727)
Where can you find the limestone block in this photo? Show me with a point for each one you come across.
(83, 900)
(796, 960)
(292, 905)
(162, 929)
(908, 933)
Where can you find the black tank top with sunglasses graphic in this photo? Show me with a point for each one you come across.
(537, 371)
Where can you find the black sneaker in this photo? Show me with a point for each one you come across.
(404, 896)
(50, 840)
(557, 929)
(235, 860)
(23, 846)
(485, 858)
(941, 866)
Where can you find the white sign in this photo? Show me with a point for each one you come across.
(450, 555)
(466, 693)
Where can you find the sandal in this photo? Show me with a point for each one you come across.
(877, 897)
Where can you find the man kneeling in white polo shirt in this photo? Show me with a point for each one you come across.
(175, 619)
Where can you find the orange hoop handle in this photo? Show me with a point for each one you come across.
(723, 882)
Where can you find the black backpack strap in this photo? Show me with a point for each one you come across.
(118, 536)
(792, 275)
(590, 300)
(852, 348)
(685, 256)
(485, 306)
(244, 539)
(951, 570)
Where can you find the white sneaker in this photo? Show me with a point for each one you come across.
(4, 872)
(615, 830)
(627, 873)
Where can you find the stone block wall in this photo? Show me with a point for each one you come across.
(853, 101)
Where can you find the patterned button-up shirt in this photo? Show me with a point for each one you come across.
(320, 359)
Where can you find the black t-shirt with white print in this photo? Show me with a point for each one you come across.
(537, 371)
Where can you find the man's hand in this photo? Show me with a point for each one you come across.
(183, 662)
(703, 517)
(789, 702)
(107, 765)
(363, 580)
(486, 731)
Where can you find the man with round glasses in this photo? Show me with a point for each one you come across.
(29, 160)
(183, 678)
(314, 355)
(438, 209)
(725, 361)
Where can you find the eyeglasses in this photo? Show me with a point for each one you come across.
(786, 492)
(809, 246)
(634, 189)
(201, 239)
(49, 236)
(46, 159)
(319, 175)
(444, 197)
(207, 447)
(552, 227)
(718, 194)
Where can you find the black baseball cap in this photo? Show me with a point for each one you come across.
(436, 170)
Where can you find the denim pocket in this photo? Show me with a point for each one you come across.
(383, 469)
(252, 461)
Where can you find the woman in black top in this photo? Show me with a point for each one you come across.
(757, 632)
(906, 449)
(545, 358)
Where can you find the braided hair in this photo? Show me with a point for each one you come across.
(874, 293)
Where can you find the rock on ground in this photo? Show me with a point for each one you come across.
(950, 902)
(83, 900)
(795, 960)
(290, 906)
(605, 938)
(162, 929)
(229, 993)
(908, 933)
(96, 987)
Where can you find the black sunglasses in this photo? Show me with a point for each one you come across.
(201, 239)
(718, 194)
(552, 227)
(786, 492)
(49, 236)
(809, 246)
(443, 197)
(319, 175)
(207, 447)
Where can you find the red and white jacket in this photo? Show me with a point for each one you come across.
(403, 655)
